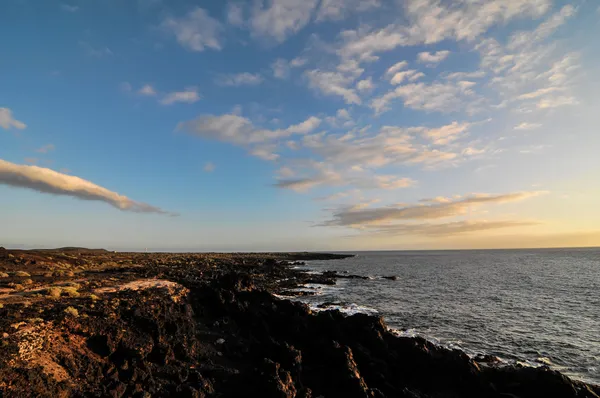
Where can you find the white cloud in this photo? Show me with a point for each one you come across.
(7, 121)
(281, 67)
(280, 18)
(333, 83)
(189, 96)
(410, 75)
(209, 167)
(398, 66)
(365, 85)
(432, 58)
(339, 9)
(69, 8)
(235, 14)
(147, 90)
(196, 31)
(241, 131)
(527, 126)
(465, 75)
(52, 182)
(432, 21)
(240, 79)
(392, 182)
(265, 153)
(528, 69)
(305, 127)
(45, 148)
(446, 134)
(441, 97)
(556, 102)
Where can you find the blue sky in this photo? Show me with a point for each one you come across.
(299, 125)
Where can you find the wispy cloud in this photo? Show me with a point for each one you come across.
(147, 90)
(424, 211)
(240, 79)
(69, 8)
(209, 167)
(52, 182)
(189, 96)
(45, 148)
(93, 51)
(281, 67)
(448, 229)
(436, 96)
(333, 83)
(196, 31)
(527, 126)
(336, 10)
(432, 58)
(7, 121)
(280, 18)
(235, 14)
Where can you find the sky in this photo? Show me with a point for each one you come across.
(299, 124)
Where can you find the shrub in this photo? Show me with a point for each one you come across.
(22, 274)
(70, 291)
(54, 292)
(72, 311)
(4, 275)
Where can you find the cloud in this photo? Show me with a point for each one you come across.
(429, 211)
(465, 75)
(265, 153)
(437, 96)
(336, 10)
(281, 67)
(235, 14)
(69, 8)
(333, 83)
(209, 167)
(189, 96)
(389, 182)
(95, 52)
(147, 90)
(432, 21)
(45, 149)
(446, 134)
(432, 58)
(323, 175)
(529, 70)
(240, 79)
(241, 131)
(280, 18)
(7, 121)
(410, 75)
(398, 66)
(196, 31)
(365, 85)
(527, 126)
(556, 102)
(448, 229)
(52, 182)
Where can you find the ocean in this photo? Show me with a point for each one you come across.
(535, 307)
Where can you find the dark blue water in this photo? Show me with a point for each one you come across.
(533, 306)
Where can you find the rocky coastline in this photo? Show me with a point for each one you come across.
(93, 323)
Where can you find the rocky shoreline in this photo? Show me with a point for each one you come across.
(81, 323)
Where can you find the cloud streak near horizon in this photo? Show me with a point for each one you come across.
(48, 181)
